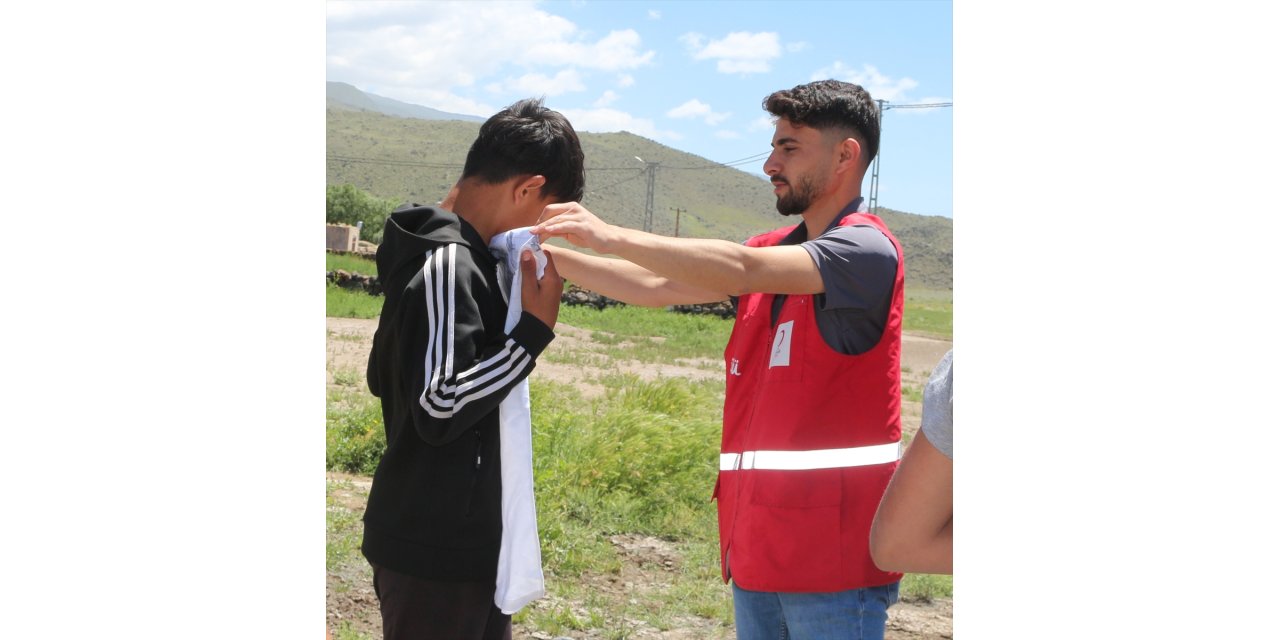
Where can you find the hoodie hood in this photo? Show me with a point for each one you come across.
(412, 230)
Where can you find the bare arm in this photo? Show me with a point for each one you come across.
(626, 282)
(717, 266)
(912, 528)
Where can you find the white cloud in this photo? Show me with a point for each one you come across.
(697, 109)
(616, 51)
(760, 124)
(537, 84)
(655, 14)
(609, 120)
(444, 101)
(738, 52)
(880, 86)
(625, 80)
(726, 134)
(607, 98)
(397, 48)
(693, 41)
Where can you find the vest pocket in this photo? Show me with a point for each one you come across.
(788, 549)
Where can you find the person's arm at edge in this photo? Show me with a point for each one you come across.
(709, 265)
(627, 282)
(912, 528)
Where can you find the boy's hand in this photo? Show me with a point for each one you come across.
(541, 298)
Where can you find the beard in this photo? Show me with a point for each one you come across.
(799, 196)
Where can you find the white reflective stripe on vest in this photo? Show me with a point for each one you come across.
(814, 459)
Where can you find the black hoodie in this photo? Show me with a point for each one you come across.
(441, 364)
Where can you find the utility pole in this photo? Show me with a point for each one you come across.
(648, 197)
(678, 212)
(875, 169)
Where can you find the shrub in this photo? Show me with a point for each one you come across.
(354, 436)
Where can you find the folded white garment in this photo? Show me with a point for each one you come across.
(520, 578)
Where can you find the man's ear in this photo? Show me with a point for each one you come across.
(850, 155)
(530, 187)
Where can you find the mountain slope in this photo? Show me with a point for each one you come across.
(344, 96)
(416, 160)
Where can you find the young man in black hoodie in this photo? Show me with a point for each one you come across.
(442, 364)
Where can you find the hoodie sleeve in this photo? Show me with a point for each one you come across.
(467, 373)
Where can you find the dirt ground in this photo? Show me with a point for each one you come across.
(648, 561)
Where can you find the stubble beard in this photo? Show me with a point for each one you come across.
(799, 196)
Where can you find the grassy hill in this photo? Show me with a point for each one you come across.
(416, 160)
(340, 95)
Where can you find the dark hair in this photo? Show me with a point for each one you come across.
(831, 104)
(527, 138)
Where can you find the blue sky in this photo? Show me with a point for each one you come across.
(690, 75)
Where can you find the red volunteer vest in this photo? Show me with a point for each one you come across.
(795, 516)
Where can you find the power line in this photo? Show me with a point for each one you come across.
(718, 165)
(875, 169)
(403, 163)
(917, 106)
(437, 165)
(651, 167)
(613, 184)
(750, 158)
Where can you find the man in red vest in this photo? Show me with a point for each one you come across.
(812, 401)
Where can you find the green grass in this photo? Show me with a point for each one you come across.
(911, 393)
(350, 263)
(346, 303)
(344, 530)
(928, 312)
(348, 377)
(926, 587)
(652, 335)
(354, 437)
(639, 459)
(346, 631)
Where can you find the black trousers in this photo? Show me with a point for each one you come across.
(417, 609)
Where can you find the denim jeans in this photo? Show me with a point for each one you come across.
(857, 614)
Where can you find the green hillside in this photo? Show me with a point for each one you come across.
(414, 160)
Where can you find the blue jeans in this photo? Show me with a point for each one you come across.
(857, 614)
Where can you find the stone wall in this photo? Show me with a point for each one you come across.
(348, 280)
(573, 295)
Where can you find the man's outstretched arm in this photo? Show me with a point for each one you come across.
(627, 282)
(717, 266)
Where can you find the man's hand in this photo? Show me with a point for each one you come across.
(575, 223)
(541, 298)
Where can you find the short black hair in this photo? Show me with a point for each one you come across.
(831, 104)
(527, 138)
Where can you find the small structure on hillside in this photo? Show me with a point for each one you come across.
(342, 237)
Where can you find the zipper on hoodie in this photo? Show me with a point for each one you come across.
(475, 475)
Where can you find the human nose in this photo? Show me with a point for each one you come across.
(771, 165)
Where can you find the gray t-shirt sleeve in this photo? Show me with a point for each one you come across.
(857, 265)
(936, 420)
